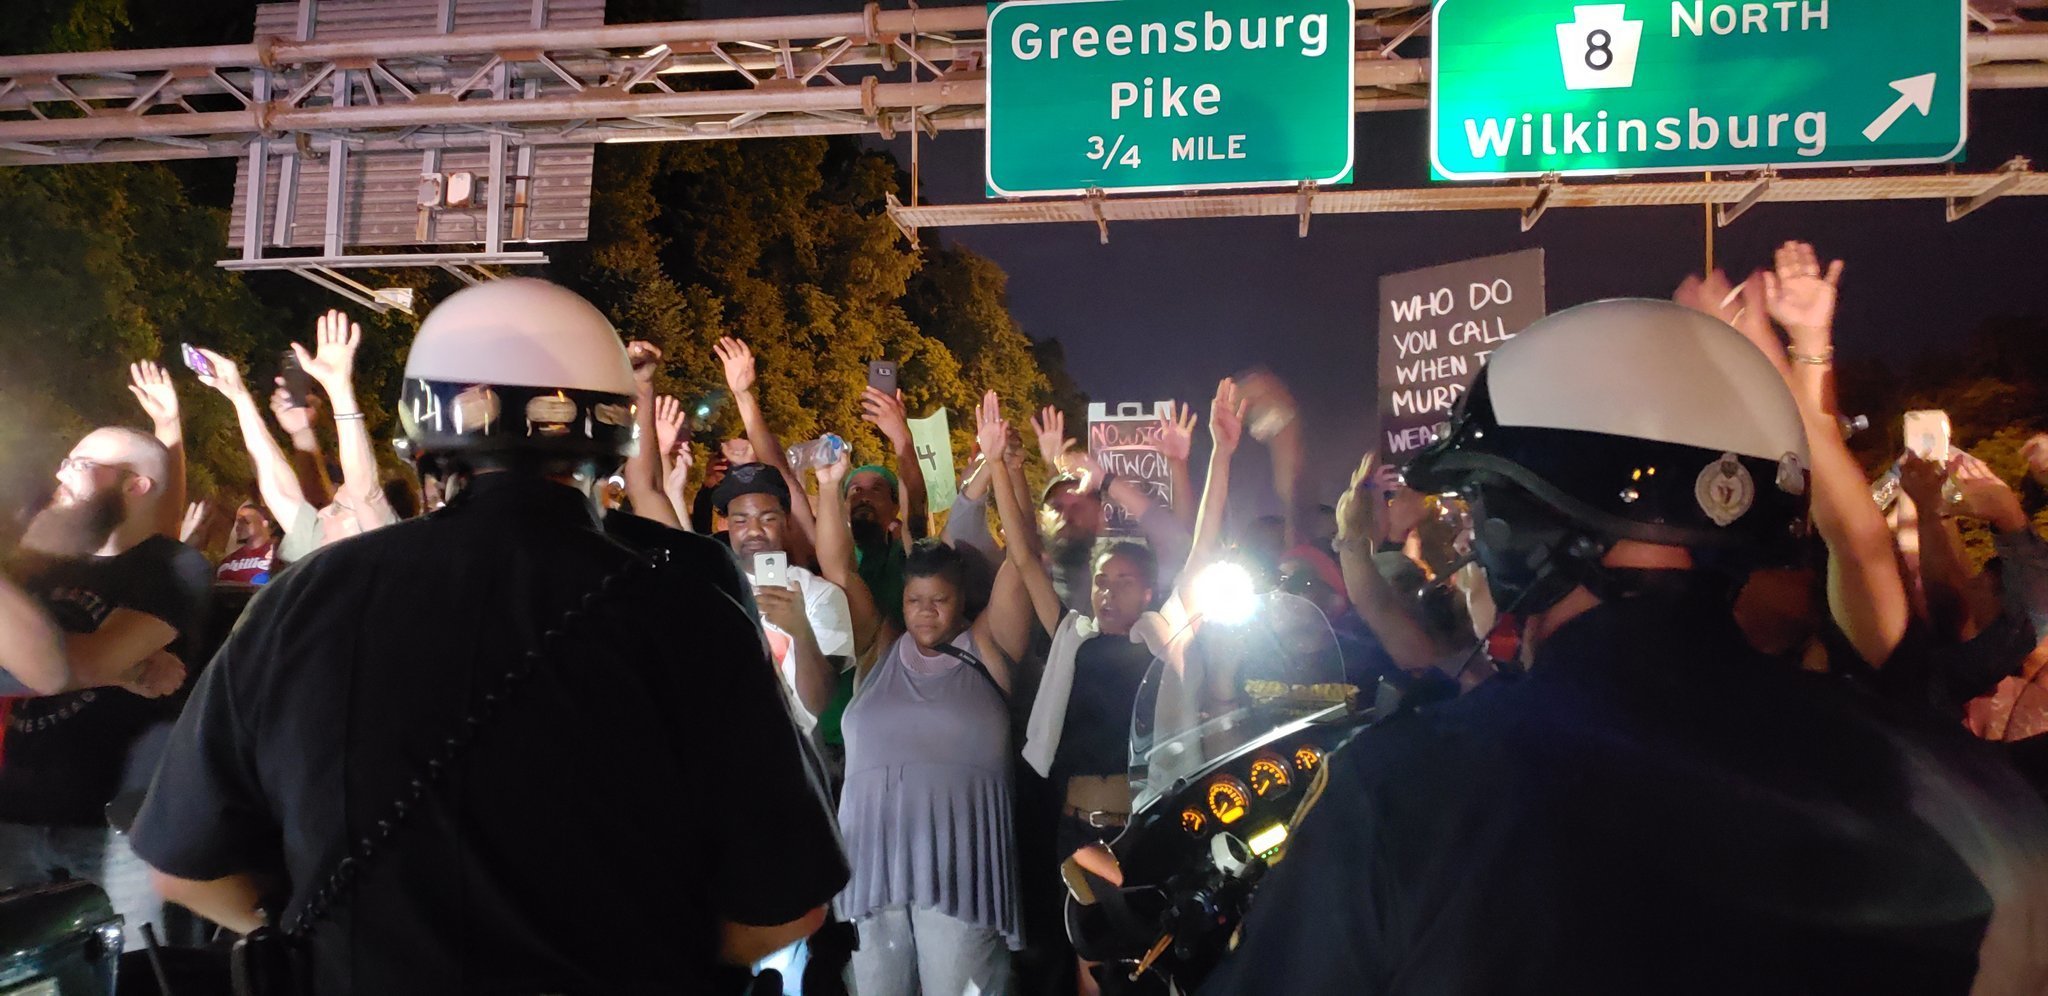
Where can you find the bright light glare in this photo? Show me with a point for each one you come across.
(1266, 841)
(1223, 593)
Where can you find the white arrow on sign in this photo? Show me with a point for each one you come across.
(1916, 92)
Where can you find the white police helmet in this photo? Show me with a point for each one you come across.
(518, 368)
(1626, 419)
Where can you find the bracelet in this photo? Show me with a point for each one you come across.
(1822, 360)
(348, 416)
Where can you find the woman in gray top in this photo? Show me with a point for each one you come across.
(926, 809)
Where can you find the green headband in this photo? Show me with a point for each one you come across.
(887, 475)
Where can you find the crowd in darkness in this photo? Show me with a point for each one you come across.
(965, 676)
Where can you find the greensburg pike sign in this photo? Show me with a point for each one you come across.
(1527, 87)
(1168, 94)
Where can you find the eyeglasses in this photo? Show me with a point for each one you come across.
(84, 465)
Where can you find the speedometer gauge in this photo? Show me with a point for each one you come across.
(1228, 799)
(1192, 820)
(1269, 777)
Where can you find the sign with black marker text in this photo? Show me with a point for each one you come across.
(1126, 443)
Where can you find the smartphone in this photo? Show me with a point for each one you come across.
(195, 360)
(1927, 435)
(298, 385)
(882, 376)
(771, 569)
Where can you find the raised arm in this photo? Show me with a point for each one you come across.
(308, 463)
(676, 486)
(885, 412)
(1226, 430)
(1392, 618)
(1176, 444)
(332, 363)
(1012, 628)
(836, 559)
(152, 388)
(1944, 572)
(738, 362)
(275, 482)
(644, 479)
(1050, 428)
(1865, 593)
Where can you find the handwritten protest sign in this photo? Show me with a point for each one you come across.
(1437, 326)
(931, 437)
(1126, 443)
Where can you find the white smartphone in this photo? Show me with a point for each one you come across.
(1927, 435)
(771, 569)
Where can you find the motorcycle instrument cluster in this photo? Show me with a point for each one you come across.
(1192, 820)
(1307, 757)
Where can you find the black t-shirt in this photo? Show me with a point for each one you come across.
(62, 756)
(1654, 808)
(645, 781)
(1095, 739)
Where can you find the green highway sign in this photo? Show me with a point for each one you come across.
(1139, 95)
(1522, 88)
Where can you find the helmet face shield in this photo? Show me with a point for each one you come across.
(536, 422)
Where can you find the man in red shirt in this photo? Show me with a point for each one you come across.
(250, 561)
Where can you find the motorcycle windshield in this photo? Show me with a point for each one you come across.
(1226, 680)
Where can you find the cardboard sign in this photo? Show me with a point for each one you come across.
(1126, 443)
(1437, 327)
(931, 437)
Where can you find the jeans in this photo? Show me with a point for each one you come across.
(28, 854)
(907, 951)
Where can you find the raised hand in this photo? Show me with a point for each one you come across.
(226, 376)
(989, 428)
(1050, 425)
(1985, 495)
(293, 419)
(1355, 507)
(1923, 480)
(1177, 436)
(1740, 305)
(738, 361)
(153, 389)
(333, 359)
(737, 451)
(668, 424)
(677, 484)
(1800, 295)
(885, 412)
(646, 359)
(832, 476)
(2035, 452)
(195, 517)
(1226, 417)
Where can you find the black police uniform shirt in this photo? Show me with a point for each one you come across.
(62, 756)
(646, 780)
(1653, 809)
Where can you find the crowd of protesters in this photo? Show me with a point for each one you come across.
(968, 677)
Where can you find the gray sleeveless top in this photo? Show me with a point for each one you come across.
(925, 813)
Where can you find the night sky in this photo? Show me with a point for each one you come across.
(1167, 307)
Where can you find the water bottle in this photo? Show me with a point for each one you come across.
(823, 451)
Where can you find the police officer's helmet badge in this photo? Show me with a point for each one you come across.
(1725, 490)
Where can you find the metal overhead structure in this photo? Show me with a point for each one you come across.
(509, 83)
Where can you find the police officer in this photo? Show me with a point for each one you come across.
(1654, 807)
(494, 750)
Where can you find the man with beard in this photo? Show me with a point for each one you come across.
(810, 631)
(123, 594)
(874, 511)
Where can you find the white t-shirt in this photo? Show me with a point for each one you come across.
(831, 622)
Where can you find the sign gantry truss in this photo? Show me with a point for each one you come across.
(866, 72)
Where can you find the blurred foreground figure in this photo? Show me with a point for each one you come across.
(1653, 807)
(470, 753)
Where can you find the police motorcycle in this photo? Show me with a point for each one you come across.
(1231, 725)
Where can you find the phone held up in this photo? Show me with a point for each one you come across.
(1927, 435)
(195, 360)
(771, 569)
(882, 376)
(298, 384)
